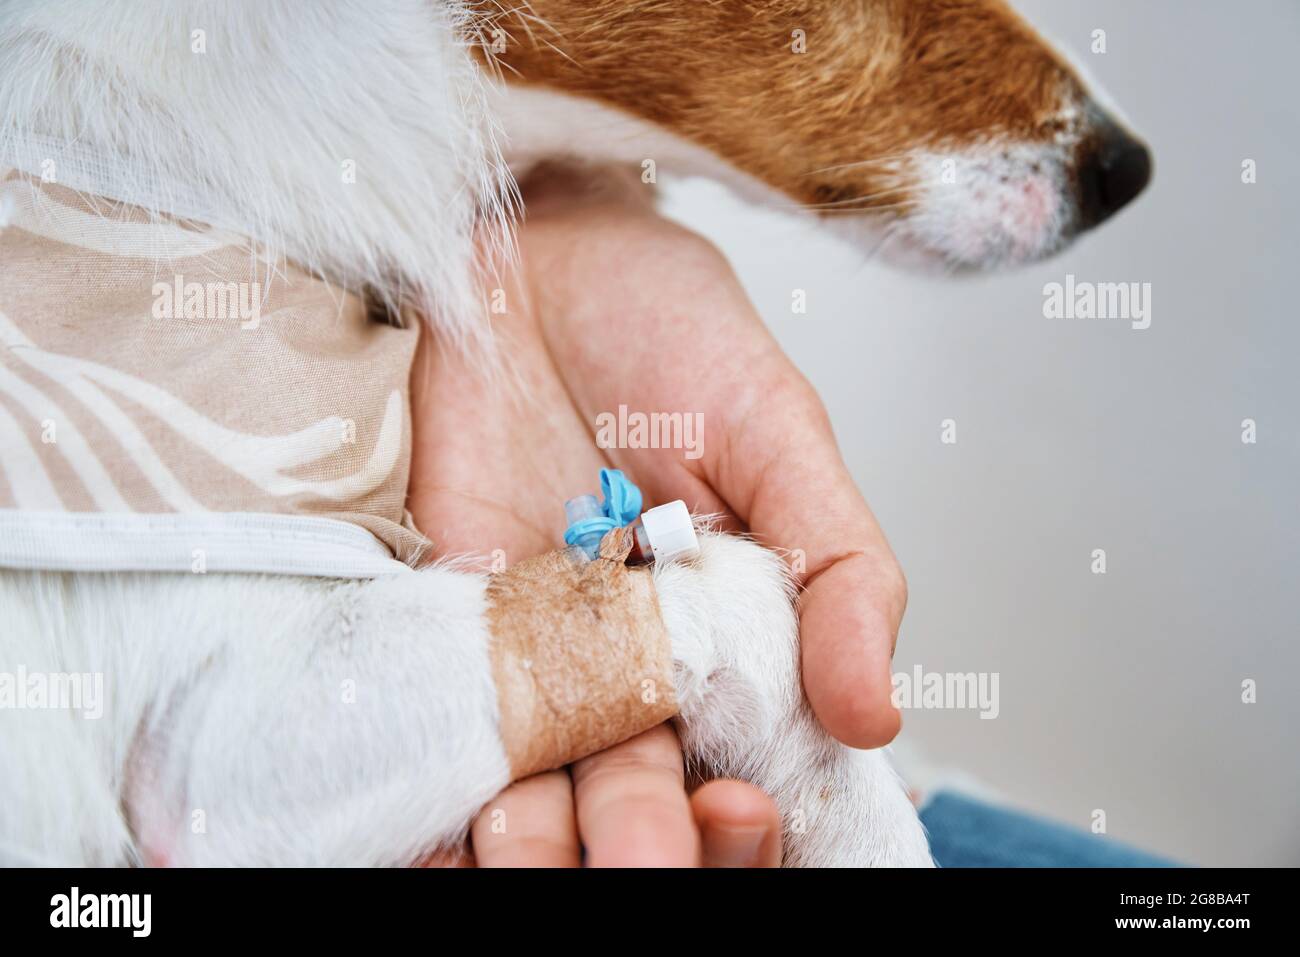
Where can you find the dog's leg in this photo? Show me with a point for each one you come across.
(274, 720)
(363, 734)
(371, 734)
(59, 731)
(736, 654)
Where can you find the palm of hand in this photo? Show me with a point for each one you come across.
(612, 306)
(589, 328)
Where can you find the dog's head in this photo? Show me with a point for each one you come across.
(949, 124)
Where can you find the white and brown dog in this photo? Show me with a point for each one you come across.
(369, 147)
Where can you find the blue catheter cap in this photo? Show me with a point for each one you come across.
(622, 506)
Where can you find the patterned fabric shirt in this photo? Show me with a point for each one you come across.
(172, 400)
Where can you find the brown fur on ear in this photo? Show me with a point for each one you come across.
(877, 78)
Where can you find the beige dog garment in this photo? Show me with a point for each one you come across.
(170, 399)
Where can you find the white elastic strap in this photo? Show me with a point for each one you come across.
(214, 542)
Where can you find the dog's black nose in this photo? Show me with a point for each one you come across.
(1113, 171)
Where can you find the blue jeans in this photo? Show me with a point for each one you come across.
(968, 833)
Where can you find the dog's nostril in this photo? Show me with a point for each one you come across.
(1117, 169)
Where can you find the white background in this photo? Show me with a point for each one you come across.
(1119, 692)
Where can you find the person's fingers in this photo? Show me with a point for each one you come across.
(739, 825)
(632, 804)
(787, 481)
(529, 824)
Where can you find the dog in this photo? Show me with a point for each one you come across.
(368, 151)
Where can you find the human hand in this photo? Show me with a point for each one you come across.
(611, 305)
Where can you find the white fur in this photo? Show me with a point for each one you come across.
(271, 720)
(255, 131)
(1005, 204)
(736, 650)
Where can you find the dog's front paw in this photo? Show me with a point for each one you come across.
(735, 636)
